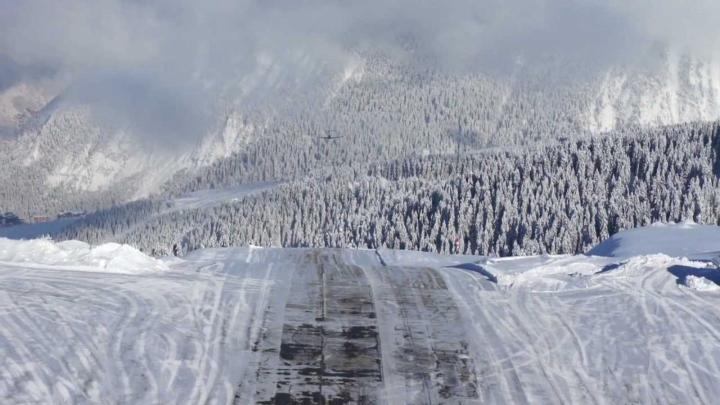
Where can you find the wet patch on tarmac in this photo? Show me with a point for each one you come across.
(329, 350)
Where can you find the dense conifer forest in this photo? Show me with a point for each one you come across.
(562, 197)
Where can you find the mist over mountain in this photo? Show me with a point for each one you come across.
(169, 69)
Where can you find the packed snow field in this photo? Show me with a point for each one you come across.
(246, 325)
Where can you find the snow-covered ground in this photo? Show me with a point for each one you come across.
(684, 239)
(215, 197)
(77, 256)
(249, 325)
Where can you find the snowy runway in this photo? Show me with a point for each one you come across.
(276, 326)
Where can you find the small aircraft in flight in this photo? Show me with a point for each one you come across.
(330, 135)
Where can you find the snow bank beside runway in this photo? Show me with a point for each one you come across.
(110, 257)
(701, 284)
(686, 239)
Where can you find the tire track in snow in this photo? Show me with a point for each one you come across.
(370, 333)
(641, 288)
(62, 354)
(492, 358)
(143, 323)
(653, 280)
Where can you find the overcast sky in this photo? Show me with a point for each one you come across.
(178, 54)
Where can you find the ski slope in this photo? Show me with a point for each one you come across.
(215, 197)
(249, 325)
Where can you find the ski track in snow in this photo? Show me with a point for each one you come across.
(252, 325)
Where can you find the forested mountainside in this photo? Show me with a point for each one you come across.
(554, 198)
(387, 111)
(62, 159)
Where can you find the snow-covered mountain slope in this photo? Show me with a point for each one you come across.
(66, 154)
(682, 90)
(80, 154)
(66, 160)
(248, 325)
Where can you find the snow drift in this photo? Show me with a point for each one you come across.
(75, 255)
(686, 239)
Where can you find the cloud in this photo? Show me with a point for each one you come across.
(164, 63)
(162, 112)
